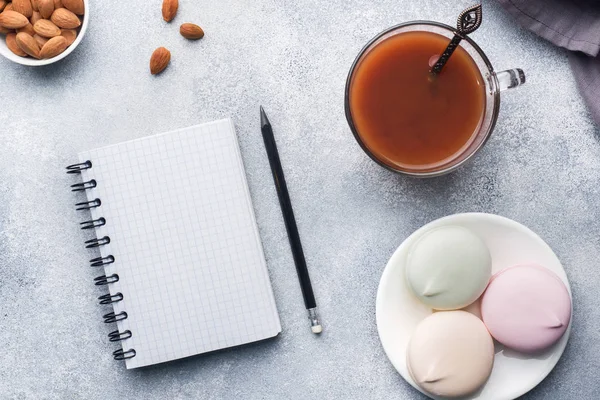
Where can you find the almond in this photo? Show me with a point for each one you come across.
(76, 6)
(53, 47)
(3, 4)
(58, 4)
(13, 20)
(169, 9)
(11, 43)
(191, 31)
(46, 28)
(34, 5)
(9, 7)
(23, 7)
(35, 17)
(69, 34)
(28, 44)
(5, 31)
(159, 60)
(27, 29)
(40, 40)
(65, 19)
(46, 8)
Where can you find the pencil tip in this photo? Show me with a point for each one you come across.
(263, 117)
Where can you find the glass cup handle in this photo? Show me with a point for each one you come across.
(511, 78)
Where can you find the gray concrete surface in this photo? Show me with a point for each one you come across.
(541, 168)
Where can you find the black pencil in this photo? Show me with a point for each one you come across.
(290, 222)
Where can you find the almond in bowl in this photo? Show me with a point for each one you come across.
(41, 32)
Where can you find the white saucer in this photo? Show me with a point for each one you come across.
(399, 312)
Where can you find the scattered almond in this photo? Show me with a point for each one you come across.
(9, 7)
(53, 47)
(169, 9)
(23, 7)
(41, 41)
(27, 29)
(27, 43)
(65, 19)
(58, 4)
(11, 43)
(35, 17)
(69, 34)
(46, 8)
(3, 4)
(191, 31)
(46, 28)
(76, 6)
(159, 60)
(34, 5)
(5, 31)
(12, 19)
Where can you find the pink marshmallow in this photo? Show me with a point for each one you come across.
(526, 308)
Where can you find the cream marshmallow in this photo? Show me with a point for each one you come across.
(450, 354)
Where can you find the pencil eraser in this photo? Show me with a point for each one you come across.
(316, 329)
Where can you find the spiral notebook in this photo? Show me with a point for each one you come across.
(179, 245)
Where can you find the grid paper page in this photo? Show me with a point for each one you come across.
(187, 251)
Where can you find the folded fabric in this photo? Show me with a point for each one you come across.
(573, 25)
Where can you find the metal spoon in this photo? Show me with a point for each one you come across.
(468, 21)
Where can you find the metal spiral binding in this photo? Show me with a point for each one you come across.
(123, 355)
(77, 168)
(94, 223)
(115, 336)
(106, 280)
(97, 242)
(88, 205)
(112, 317)
(79, 187)
(100, 261)
(109, 299)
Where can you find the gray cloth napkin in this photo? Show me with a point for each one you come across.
(574, 25)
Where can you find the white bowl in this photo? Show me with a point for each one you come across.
(32, 62)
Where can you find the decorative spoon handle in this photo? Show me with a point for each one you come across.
(468, 21)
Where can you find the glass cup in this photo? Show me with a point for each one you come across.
(495, 82)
